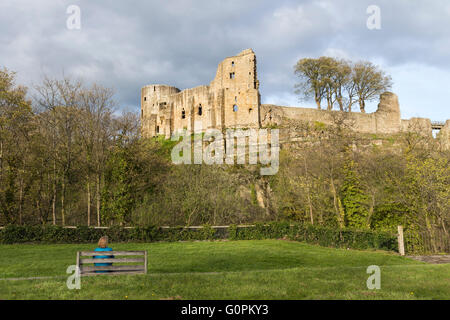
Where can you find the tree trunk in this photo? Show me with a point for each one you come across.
(337, 206)
(63, 192)
(318, 104)
(316, 97)
(310, 209)
(431, 233)
(38, 206)
(329, 101)
(341, 104)
(1, 157)
(20, 200)
(340, 100)
(309, 192)
(443, 226)
(372, 206)
(362, 106)
(88, 203)
(98, 199)
(54, 194)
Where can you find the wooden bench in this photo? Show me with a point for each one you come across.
(120, 265)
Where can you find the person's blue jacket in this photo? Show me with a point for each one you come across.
(103, 257)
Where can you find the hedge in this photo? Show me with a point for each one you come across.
(323, 236)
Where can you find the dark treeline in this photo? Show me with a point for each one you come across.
(67, 158)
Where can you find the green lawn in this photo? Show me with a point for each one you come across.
(266, 269)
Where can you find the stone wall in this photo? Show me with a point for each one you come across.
(444, 136)
(385, 120)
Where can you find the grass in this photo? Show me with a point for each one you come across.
(266, 269)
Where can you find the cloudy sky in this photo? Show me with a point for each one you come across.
(128, 44)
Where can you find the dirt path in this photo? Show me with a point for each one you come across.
(432, 259)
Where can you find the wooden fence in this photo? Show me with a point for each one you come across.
(425, 243)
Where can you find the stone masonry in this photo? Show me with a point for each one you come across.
(232, 100)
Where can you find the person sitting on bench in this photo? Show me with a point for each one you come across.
(103, 246)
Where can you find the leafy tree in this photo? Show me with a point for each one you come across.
(117, 193)
(354, 199)
(340, 81)
(312, 82)
(15, 129)
(427, 193)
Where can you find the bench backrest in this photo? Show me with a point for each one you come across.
(124, 262)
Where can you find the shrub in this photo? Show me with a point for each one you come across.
(324, 236)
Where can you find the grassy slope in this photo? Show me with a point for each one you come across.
(266, 269)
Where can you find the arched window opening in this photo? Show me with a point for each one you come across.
(235, 108)
(200, 110)
(183, 114)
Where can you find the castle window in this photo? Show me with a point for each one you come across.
(235, 108)
(157, 129)
(200, 111)
(232, 63)
(235, 99)
(154, 88)
(145, 98)
(232, 75)
(183, 114)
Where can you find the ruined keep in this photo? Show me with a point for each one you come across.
(232, 100)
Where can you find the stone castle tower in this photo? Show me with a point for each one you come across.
(231, 100)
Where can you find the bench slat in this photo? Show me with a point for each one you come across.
(116, 273)
(116, 253)
(113, 268)
(111, 260)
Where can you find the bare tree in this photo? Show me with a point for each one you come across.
(369, 82)
(58, 101)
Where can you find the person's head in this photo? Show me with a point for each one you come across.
(103, 242)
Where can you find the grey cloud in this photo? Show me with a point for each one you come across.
(129, 44)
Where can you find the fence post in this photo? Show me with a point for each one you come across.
(401, 242)
(145, 262)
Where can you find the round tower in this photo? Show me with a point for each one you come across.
(387, 116)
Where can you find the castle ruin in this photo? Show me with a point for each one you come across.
(232, 100)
